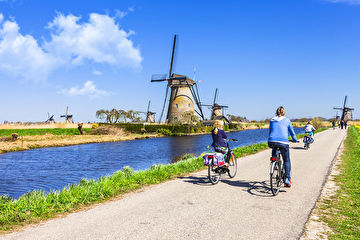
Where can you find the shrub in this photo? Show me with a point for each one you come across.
(165, 131)
(317, 123)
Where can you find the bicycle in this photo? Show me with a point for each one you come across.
(307, 141)
(277, 172)
(217, 168)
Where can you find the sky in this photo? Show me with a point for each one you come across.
(260, 54)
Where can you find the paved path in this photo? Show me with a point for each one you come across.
(192, 208)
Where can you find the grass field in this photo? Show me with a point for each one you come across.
(342, 211)
(42, 131)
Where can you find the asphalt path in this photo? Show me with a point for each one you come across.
(192, 208)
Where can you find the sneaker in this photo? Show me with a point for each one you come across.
(287, 183)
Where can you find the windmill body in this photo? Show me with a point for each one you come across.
(181, 99)
(217, 111)
(183, 95)
(68, 118)
(150, 118)
(346, 111)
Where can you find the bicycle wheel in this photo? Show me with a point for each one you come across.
(275, 177)
(232, 166)
(213, 173)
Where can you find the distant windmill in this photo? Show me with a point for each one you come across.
(183, 93)
(217, 111)
(68, 118)
(150, 116)
(346, 111)
(50, 119)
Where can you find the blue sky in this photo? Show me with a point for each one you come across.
(88, 55)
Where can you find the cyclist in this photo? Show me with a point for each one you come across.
(280, 128)
(219, 138)
(309, 128)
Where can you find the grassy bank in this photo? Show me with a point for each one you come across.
(37, 205)
(42, 131)
(342, 211)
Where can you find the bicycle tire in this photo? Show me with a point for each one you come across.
(213, 176)
(232, 166)
(275, 177)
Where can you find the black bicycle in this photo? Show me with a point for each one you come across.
(230, 166)
(277, 173)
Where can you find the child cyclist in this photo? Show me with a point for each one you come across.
(219, 138)
(309, 128)
(280, 128)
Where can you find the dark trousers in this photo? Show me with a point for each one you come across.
(285, 153)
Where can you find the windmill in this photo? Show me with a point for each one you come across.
(217, 111)
(68, 118)
(150, 116)
(183, 94)
(346, 111)
(50, 119)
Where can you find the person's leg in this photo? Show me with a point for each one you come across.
(285, 153)
(273, 147)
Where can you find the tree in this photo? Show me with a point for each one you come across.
(189, 117)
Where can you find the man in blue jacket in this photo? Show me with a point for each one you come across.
(280, 128)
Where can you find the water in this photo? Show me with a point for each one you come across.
(55, 168)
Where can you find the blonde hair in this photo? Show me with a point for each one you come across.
(280, 111)
(218, 124)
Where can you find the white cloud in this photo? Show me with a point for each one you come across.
(100, 40)
(72, 43)
(97, 72)
(21, 56)
(88, 89)
(351, 2)
(120, 14)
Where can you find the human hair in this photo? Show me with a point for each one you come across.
(218, 124)
(280, 111)
(309, 122)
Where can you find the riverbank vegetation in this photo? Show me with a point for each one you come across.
(341, 211)
(36, 206)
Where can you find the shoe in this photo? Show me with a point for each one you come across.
(287, 183)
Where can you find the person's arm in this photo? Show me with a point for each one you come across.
(224, 135)
(292, 132)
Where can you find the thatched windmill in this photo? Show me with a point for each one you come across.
(184, 94)
(346, 111)
(217, 111)
(67, 116)
(150, 116)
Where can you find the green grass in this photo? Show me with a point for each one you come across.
(342, 211)
(42, 131)
(37, 205)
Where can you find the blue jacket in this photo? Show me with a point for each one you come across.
(280, 128)
(219, 138)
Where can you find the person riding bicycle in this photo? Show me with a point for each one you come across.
(219, 138)
(280, 128)
(309, 129)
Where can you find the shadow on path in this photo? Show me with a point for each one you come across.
(202, 181)
(256, 188)
(298, 148)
